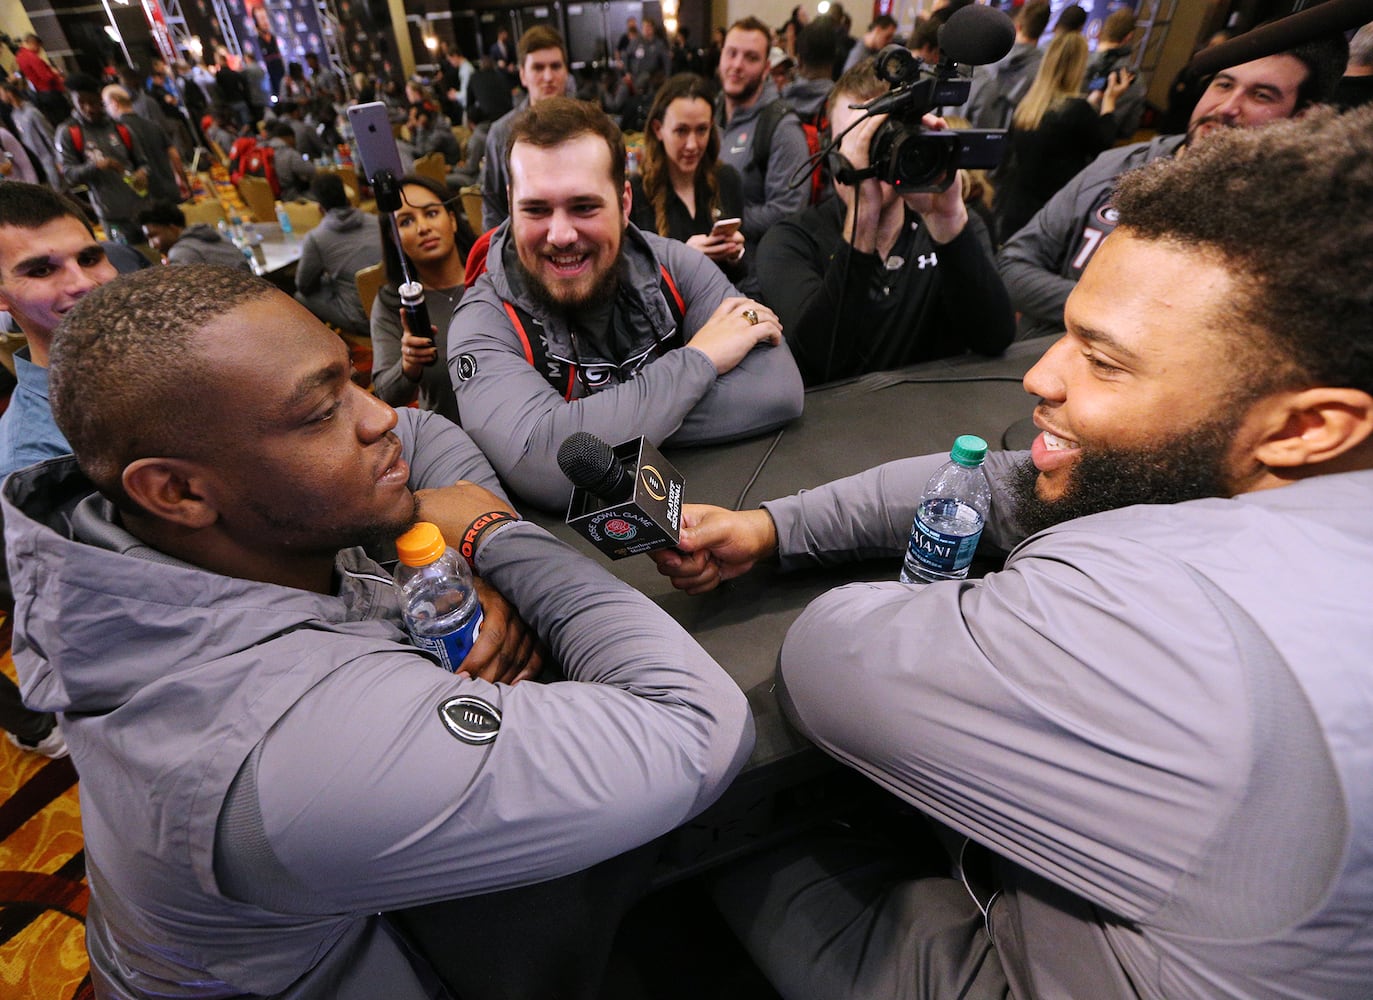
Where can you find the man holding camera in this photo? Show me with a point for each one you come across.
(911, 275)
(1043, 261)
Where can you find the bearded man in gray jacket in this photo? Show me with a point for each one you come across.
(1151, 725)
(266, 760)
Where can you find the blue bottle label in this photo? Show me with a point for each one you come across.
(452, 649)
(940, 551)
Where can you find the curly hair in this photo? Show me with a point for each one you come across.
(656, 176)
(1286, 207)
(126, 381)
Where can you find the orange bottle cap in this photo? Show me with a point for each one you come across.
(421, 545)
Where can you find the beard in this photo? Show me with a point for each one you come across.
(301, 528)
(1188, 466)
(601, 291)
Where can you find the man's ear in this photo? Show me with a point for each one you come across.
(172, 490)
(1313, 426)
(627, 199)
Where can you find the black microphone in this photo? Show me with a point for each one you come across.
(625, 500)
(592, 466)
(1324, 20)
(977, 35)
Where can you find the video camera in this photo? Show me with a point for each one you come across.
(905, 153)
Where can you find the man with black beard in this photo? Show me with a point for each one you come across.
(1041, 263)
(1152, 725)
(584, 323)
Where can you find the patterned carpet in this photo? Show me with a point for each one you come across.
(43, 891)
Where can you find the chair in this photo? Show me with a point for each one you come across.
(472, 205)
(257, 195)
(432, 165)
(208, 211)
(304, 215)
(369, 281)
(462, 133)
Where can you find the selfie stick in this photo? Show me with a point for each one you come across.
(388, 195)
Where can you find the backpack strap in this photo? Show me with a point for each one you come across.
(536, 352)
(125, 137)
(768, 119)
(675, 305)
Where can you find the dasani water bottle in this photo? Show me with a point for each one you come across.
(948, 521)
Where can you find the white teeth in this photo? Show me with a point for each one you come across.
(1054, 443)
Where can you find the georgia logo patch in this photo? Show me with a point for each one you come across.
(470, 719)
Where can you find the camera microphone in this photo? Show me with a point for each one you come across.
(977, 36)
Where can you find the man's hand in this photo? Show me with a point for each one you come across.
(721, 249)
(866, 198)
(729, 334)
(507, 651)
(454, 508)
(416, 353)
(716, 545)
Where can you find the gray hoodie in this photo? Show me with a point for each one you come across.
(334, 252)
(202, 244)
(672, 395)
(263, 769)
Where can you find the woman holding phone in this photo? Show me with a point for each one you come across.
(413, 364)
(683, 191)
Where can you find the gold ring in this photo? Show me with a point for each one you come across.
(752, 316)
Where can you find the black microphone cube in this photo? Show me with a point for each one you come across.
(649, 518)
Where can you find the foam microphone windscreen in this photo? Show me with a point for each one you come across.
(977, 35)
(591, 464)
(1321, 21)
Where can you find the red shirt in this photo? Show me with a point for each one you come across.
(37, 71)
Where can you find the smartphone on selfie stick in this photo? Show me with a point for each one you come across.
(381, 166)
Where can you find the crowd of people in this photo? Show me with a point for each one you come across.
(1145, 733)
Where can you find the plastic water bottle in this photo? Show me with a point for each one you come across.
(284, 220)
(437, 599)
(949, 520)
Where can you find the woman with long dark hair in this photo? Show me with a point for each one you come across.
(683, 189)
(435, 238)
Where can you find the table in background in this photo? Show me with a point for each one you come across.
(281, 252)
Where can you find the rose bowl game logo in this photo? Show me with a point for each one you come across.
(620, 529)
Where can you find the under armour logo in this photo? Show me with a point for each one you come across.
(927, 260)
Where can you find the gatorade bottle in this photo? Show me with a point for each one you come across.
(437, 599)
(949, 520)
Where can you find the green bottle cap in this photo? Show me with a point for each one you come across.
(968, 450)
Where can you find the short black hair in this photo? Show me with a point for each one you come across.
(29, 206)
(1325, 60)
(161, 213)
(1303, 184)
(124, 378)
(1071, 18)
(328, 188)
(816, 45)
(81, 83)
(281, 130)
